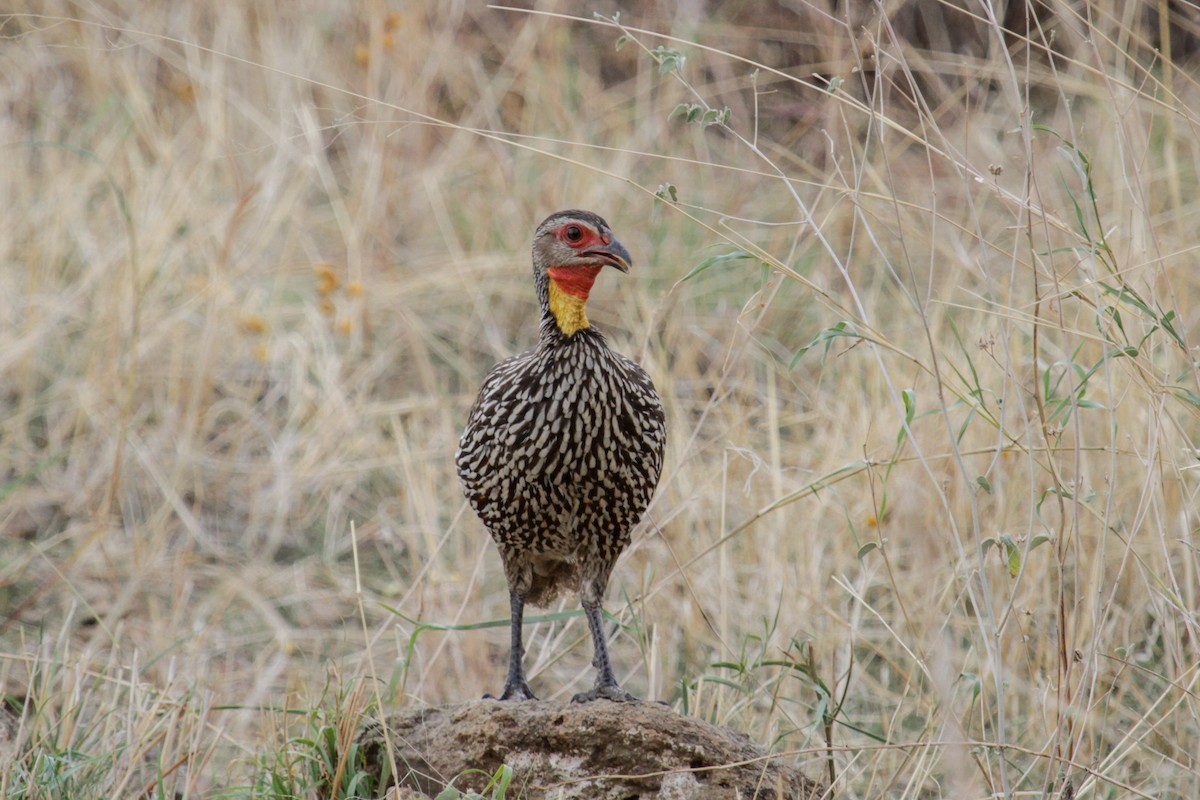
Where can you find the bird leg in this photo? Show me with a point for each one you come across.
(606, 682)
(515, 685)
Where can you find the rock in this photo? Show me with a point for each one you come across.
(590, 751)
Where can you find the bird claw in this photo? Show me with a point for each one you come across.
(614, 693)
(514, 691)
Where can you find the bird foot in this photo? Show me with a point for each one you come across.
(516, 690)
(613, 692)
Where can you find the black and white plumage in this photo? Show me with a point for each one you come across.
(564, 445)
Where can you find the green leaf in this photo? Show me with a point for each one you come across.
(1014, 558)
(1039, 539)
(724, 682)
(822, 707)
(667, 193)
(962, 429)
(713, 116)
(1079, 218)
(502, 779)
(1012, 553)
(1165, 321)
(1127, 295)
(910, 404)
(736, 255)
(842, 329)
(1063, 493)
(1127, 351)
(984, 483)
(694, 112)
(621, 40)
(1115, 313)
(682, 108)
(1188, 396)
(669, 59)
(866, 548)
(910, 408)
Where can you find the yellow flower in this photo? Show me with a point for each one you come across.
(328, 278)
(253, 323)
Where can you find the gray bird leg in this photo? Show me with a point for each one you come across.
(515, 685)
(606, 682)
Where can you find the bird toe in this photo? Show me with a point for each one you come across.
(516, 691)
(614, 693)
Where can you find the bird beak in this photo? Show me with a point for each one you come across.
(614, 254)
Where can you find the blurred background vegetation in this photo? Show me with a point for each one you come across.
(916, 281)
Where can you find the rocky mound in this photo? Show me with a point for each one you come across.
(591, 751)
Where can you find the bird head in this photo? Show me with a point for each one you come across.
(569, 250)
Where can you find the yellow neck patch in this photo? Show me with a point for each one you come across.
(570, 311)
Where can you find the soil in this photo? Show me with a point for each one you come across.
(591, 751)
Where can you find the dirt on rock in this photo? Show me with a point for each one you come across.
(591, 751)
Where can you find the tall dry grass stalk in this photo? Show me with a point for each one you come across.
(923, 309)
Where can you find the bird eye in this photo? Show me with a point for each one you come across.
(573, 233)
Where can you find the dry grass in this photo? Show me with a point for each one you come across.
(256, 262)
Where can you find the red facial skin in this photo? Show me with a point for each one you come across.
(577, 280)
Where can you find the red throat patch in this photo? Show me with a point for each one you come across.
(576, 281)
